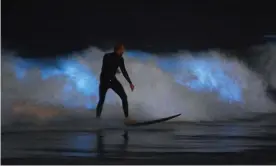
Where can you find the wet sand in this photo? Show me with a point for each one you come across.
(168, 143)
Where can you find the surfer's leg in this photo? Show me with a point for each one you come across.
(119, 89)
(102, 92)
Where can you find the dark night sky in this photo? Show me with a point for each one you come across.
(48, 27)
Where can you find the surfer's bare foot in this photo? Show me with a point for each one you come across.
(129, 121)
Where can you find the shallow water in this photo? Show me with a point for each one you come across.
(159, 142)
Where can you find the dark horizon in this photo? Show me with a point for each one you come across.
(48, 28)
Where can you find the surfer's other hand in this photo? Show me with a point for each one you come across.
(131, 87)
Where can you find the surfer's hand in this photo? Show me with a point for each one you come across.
(131, 87)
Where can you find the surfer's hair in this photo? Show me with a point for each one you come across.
(118, 46)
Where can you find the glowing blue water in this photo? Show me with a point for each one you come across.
(207, 77)
(78, 77)
(202, 86)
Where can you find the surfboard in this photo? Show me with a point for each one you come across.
(143, 123)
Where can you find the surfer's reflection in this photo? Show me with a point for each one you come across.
(100, 144)
(101, 149)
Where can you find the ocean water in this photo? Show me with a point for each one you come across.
(48, 108)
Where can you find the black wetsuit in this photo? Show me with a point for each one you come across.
(110, 65)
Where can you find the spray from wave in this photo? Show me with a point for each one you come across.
(202, 86)
(263, 61)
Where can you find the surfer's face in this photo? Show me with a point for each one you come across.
(120, 51)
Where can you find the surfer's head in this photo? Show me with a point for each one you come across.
(119, 49)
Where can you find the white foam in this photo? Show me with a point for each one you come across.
(157, 92)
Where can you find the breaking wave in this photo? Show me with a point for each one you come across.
(201, 85)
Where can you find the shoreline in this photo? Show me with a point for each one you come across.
(246, 157)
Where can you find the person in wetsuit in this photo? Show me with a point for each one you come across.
(111, 62)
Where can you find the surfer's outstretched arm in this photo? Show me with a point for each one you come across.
(123, 69)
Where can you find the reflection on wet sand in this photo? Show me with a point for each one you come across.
(186, 144)
(121, 150)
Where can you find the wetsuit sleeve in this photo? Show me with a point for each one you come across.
(123, 69)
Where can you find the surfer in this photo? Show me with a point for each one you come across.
(111, 62)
